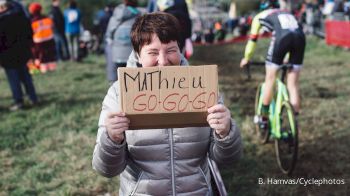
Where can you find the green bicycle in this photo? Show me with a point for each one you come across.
(282, 126)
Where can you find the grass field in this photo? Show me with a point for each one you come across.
(47, 150)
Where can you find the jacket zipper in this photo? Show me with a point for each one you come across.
(137, 184)
(204, 176)
(206, 181)
(172, 161)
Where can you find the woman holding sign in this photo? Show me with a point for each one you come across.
(162, 161)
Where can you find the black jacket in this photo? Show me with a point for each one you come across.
(180, 11)
(15, 37)
(58, 19)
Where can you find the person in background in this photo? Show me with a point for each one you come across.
(44, 50)
(119, 47)
(56, 15)
(72, 18)
(100, 26)
(21, 3)
(209, 36)
(220, 31)
(152, 6)
(179, 9)
(169, 161)
(15, 45)
(338, 7)
(347, 9)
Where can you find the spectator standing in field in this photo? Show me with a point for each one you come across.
(72, 18)
(152, 6)
(220, 31)
(100, 26)
(44, 50)
(170, 161)
(56, 15)
(179, 9)
(347, 9)
(22, 4)
(118, 39)
(15, 44)
(209, 36)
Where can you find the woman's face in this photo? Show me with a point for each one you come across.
(158, 54)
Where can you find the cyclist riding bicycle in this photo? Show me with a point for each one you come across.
(287, 37)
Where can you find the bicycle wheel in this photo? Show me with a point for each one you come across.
(286, 147)
(263, 134)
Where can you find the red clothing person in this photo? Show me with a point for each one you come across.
(44, 45)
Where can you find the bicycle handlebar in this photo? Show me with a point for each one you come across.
(256, 63)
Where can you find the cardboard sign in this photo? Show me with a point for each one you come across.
(168, 97)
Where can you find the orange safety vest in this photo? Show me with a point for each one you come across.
(42, 30)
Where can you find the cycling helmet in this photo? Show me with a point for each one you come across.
(265, 4)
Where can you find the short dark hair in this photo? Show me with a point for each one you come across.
(73, 4)
(164, 25)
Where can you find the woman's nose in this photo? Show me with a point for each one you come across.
(163, 60)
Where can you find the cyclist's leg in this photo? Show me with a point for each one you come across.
(293, 88)
(296, 59)
(271, 71)
(275, 54)
(270, 77)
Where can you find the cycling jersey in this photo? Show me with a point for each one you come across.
(287, 36)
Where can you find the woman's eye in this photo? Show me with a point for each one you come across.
(153, 53)
(172, 51)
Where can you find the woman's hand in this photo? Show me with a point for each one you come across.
(219, 118)
(116, 124)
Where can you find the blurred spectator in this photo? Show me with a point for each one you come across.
(100, 26)
(72, 18)
(178, 8)
(197, 37)
(328, 7)
(209, 36)
(44, 50)
(347, 9)
(232, 22)
(152, 6)
(338, 6)
(85, 43)
(244, 25)
(231, 25)
(119, 47)
(310, 17)
(217, 25)
(220, 31)
(298, 12)
(21, 4)
(15, 44)
(284, 4)
(62, 51)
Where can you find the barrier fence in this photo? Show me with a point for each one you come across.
(338, 33)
